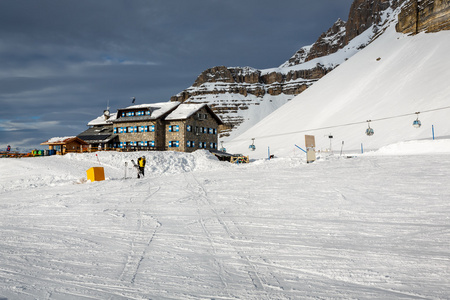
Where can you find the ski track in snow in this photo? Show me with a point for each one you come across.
(369, 227)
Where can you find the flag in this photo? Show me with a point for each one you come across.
(133, 100)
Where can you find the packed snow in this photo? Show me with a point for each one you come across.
(372, 226)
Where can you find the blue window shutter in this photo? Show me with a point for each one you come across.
(188, 128)
(177, 144)
(177, 128)
(170, 128)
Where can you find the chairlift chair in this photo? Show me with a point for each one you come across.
(252, 146)
(417, 122)
(369, 131)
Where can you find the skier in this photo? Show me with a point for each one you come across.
(141, 165)
(8, 148)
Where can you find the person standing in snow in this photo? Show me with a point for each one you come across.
(8, 148)
(141, 165)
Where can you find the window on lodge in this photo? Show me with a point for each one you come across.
(174, 144)
(145, 128)
(147, 143)
(174, 128)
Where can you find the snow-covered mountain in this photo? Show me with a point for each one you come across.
(242, 96)
(387, 82)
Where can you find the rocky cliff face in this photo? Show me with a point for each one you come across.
(329, 42)
(235, 93)
(424, 15)
(243, 96)
(365, 13)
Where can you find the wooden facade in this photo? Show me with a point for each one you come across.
(66, 144)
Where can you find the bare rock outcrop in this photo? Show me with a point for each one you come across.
(425, 15)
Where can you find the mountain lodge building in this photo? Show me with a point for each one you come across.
(171, 126)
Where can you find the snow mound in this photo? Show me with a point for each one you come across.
(415, 148)
(71, 168)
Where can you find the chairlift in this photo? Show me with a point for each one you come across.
(369, 131)
(223, 149)
(417, 122)
(252, 146)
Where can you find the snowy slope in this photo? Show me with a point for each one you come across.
(258, 107)
(197, 228)
(396, 75)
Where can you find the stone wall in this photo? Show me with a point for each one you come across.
(196, 134)
(158, 135)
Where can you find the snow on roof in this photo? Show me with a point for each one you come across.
(55, 140)
(101, 120)
(184, 111)
(60, 139)
(157, 109)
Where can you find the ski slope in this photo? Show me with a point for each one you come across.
(387, 82)
(372, 226)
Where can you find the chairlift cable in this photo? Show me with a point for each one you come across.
(344, 125)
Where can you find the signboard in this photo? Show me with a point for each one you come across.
(310, 144)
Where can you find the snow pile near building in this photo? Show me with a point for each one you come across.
(71, 168)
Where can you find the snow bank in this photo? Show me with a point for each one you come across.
(36, 172)
(415, 148)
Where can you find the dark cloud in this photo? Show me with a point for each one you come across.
(62, 61)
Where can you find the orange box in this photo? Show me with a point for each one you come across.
(96, 174)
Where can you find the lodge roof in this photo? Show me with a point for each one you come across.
(102, 134)
(186, 110)
(157, 111)
(64, 140)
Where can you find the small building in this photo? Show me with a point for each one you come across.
(63, 145)
(100, 135)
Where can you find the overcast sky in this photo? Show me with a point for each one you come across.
(62, 61)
